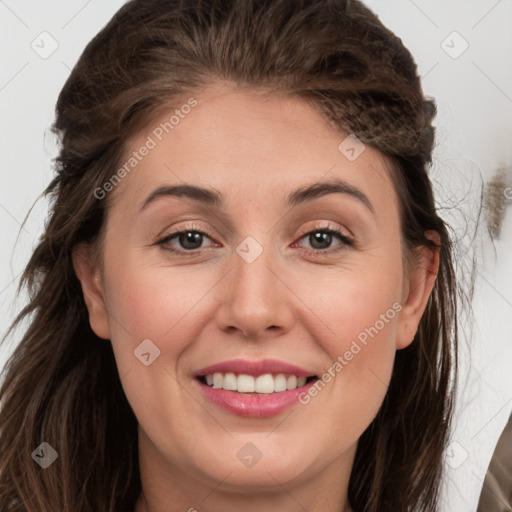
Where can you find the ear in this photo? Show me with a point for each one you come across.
(418, 286)
(88, 272)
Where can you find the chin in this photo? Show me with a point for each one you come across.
(260, 465)
(262, 477)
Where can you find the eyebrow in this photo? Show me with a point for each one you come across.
(301, 195)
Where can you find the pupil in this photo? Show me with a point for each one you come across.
(321, 237)
(192, 237)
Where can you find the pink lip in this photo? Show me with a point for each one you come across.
(255, 368)
(254, 405)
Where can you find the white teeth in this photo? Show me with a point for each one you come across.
(291, 382)
(264, 384)
(245, 383)
(230, 382)
(218, 380)
(279, 383)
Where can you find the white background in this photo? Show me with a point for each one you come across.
(474, 135)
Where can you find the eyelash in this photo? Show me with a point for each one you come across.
(346, 241)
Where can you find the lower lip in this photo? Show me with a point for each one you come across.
(254, 405)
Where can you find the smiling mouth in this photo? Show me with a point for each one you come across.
(250, 385)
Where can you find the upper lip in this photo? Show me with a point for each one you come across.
(254, 368)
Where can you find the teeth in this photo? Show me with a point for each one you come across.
(291, 382)
(245, 383)
(264, 384)
(279, 383)
(230, 382)
(218, 380)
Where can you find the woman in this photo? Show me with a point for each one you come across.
(244, 297)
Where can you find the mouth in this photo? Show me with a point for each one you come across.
(254, 388)
(254, 396)
(251, 385)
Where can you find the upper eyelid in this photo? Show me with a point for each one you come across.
(324, 225)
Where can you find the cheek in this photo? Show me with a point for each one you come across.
(163, 305)
(363, 315)
(359, 310)
(167, 305)
(358, 303)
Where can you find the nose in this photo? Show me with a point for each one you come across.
(255, 301)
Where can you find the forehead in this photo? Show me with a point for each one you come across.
(250, 147)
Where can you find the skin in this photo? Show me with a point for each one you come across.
(288, 304)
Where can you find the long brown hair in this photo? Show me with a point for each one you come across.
(61, 385)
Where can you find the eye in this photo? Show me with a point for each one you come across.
(321, 239)
(190, 239)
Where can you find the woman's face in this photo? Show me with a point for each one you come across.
(259, 277)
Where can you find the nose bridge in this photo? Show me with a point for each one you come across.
(253, 299)
(252, 277)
